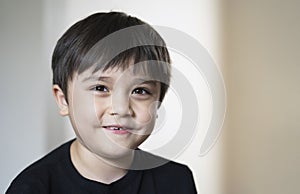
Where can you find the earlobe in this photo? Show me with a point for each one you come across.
(60, 100)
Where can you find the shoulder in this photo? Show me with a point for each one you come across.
(173, 169)
(34, 178)
(157, 164)
(169, 176)
(26, 186)
(174, 177)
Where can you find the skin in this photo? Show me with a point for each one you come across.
(100, 102)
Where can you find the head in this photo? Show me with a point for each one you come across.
(111, 71)
(86, 45)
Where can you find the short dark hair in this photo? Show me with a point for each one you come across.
(108, 40)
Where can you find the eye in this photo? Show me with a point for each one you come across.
(100, 88)
(141, 91)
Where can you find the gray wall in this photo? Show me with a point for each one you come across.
(29, 123)
(23, 82)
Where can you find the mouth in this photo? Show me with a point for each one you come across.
(117, 129)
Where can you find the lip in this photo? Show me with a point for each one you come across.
(112, 129)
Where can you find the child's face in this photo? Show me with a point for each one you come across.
(112, 111)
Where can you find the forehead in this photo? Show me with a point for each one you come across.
(126, 74)
(147, 70)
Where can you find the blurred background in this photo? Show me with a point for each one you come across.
(255, 43)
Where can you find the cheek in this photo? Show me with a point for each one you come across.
(146, 112)
(82, 110)
(100, 105)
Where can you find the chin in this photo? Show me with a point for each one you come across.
(115, 152)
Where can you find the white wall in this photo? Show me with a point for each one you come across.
(29, 123)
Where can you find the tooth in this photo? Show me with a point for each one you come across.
(115, 128)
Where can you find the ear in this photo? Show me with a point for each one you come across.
(60, 100)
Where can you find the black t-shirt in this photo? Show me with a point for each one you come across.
(56, 174)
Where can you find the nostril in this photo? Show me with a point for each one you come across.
(122, 108)
(122, 112)
(113, 113)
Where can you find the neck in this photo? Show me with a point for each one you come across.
(95, 167)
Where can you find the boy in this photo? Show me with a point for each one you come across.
(110, 73)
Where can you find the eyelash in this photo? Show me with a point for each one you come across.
(104, 89)
(100, 88)
(146, 92)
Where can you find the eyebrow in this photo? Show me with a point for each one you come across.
(143, 81)
(95, 78)
(109, 80)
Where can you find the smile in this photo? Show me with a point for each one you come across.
(117, 129)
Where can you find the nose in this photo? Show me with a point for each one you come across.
(120, 105)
